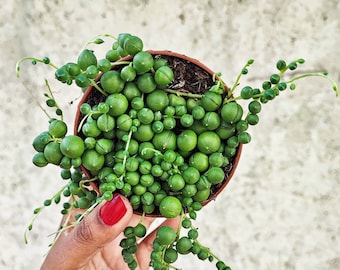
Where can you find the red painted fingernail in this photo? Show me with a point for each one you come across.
(112, 211)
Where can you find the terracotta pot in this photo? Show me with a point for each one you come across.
(91, 92)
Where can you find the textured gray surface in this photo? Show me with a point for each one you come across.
(281, 210)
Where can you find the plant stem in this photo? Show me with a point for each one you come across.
(230, 92)
(183, 216)
(88, 211)
(297, 61)
(30, 226)
(52, 96)
(33, 59)
(317, 74)
(119, 63)
(41, 107)
(63, 226)
(82, 182)
(151, 149)
(96, 86)
(82, 121)
(142, 218)
(228, 99)
(93, 40)
(182, 93)
(126, 152)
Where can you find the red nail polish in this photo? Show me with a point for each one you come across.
(112, 211)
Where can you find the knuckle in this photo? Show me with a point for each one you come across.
(84, 233)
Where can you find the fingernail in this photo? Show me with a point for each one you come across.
(112, 211)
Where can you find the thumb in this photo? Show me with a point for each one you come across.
(101, 226)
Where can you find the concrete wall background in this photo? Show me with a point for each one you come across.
(280, 211)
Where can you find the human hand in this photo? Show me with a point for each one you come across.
(94, 243)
